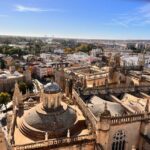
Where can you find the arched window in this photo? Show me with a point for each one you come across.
(119, 140)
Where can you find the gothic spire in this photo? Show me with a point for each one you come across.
(17, 95)
(106, 112)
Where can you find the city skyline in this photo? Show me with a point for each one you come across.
(76, 19)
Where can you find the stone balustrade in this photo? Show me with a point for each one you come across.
(126, 119)
(114, 120)
(115, 90)
(54, 142)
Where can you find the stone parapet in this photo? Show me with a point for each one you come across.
(114, 120)
(54, 142)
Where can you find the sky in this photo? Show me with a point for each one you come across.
(93, 19)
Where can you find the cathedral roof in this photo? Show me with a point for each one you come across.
(97, 106)
(135, 103)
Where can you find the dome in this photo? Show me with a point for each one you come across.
(52, 87)
(36, 121)
(30, 100)
(3, 76)
(51, 116)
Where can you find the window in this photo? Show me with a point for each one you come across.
(119, 141)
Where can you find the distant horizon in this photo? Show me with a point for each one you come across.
(71, 38)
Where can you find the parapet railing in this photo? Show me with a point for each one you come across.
(127, 118)
(54, 142)
(109, 87)
(138, 67)
(86, 111)
(112, 89)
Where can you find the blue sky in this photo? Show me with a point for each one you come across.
(102, 19)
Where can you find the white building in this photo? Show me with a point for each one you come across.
(135, 60)
(58, 51)
(41, 71)
(81, 57)
(48, 57)
(8, 79)
(45, 56)
(44, 70)
(140, 45)
(96, 52)
(129, 60)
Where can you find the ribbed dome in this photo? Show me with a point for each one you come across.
(51, 116)
(55, 123)
(39, 119)
(52, 87)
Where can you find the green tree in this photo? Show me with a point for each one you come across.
(22, 87)
(4, 99)
(30, 86)
(2, 64)
(68, 50)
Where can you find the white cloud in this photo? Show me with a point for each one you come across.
(145, 10)
(21, 8)
(119, 22)
(137, 17)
